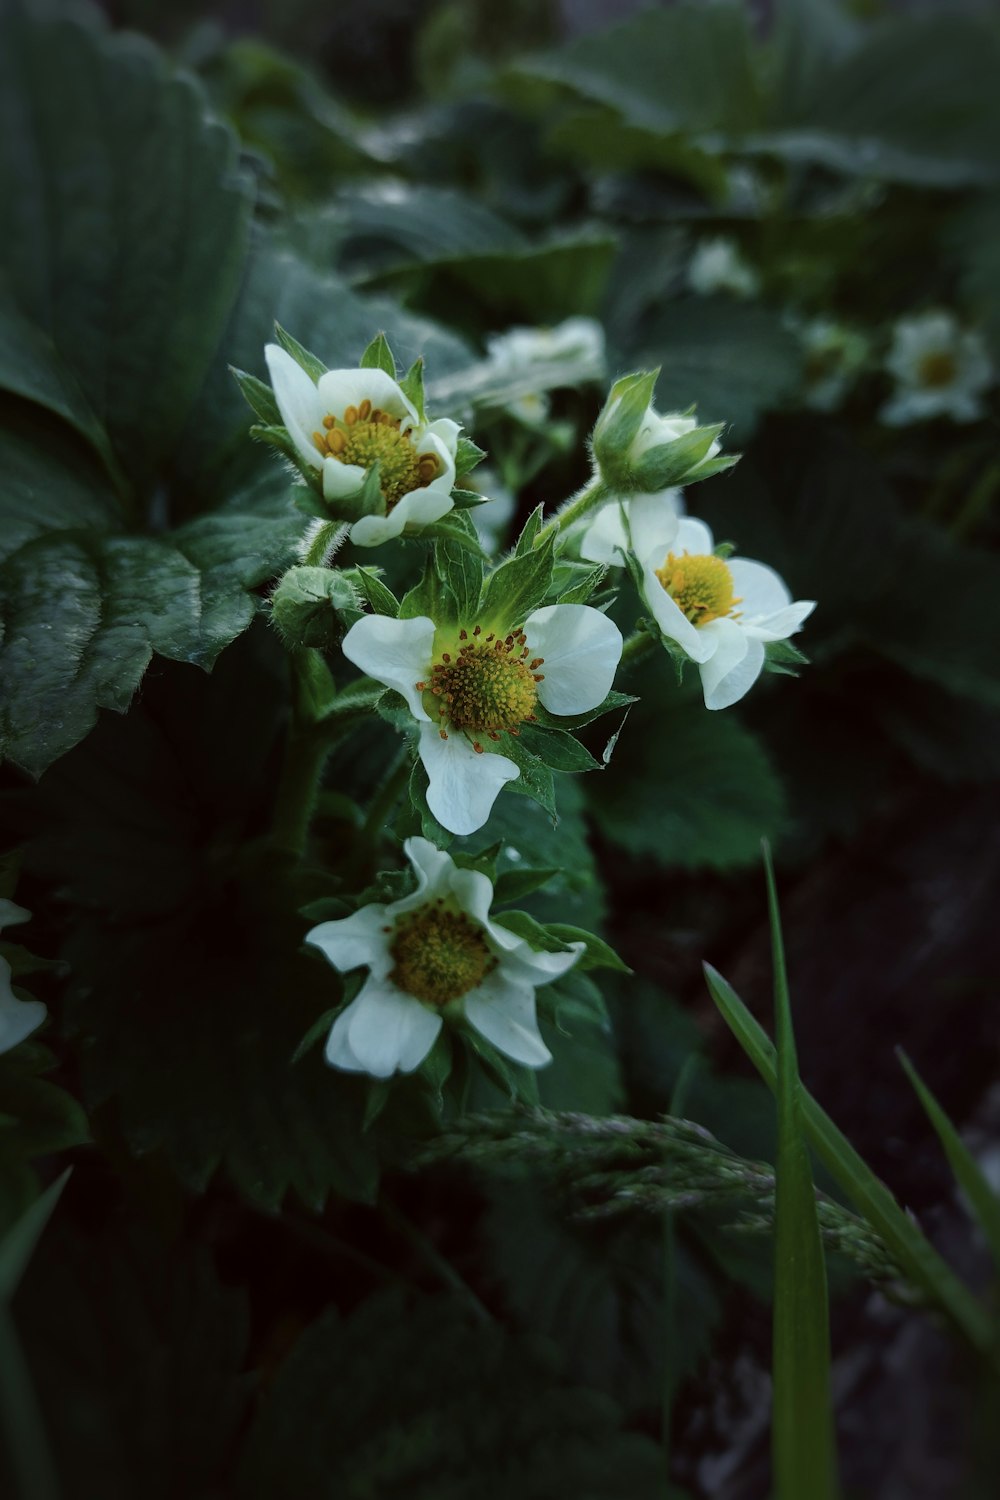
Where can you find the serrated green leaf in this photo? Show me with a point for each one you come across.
(518, 586)
(378, 356)
(132, 280)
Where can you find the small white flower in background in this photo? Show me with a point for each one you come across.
(604, 535)
(718, 266)
(940, 369)
(467, 686)
(720, 611)
(18, 1018)
(492, 520)
(834, 356)
(433, 953)
(349, 420)
(579, 341)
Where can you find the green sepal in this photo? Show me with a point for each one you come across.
(310, 502)
(278, 437)
(381, 600)
(784, 658)
(535, 780)
(313, 367)
(378, 356)
(455, 527)
(537, 936)
(530, 530)
(376, 1099)
(577, 721)
(621, 417)
(259, 396)
(519, 585)
(436, 1067)
(574, 583)
(518, 1083)
(557, 749)
(513, 885)
(467, 455)
(676, 462)
(412, 387)
(432, 598)
(313, 606)
(485, 861)
(318, 1031)
(597, 954)
(461, 571)
(468, 499)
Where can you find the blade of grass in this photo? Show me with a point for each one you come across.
(802, 1441)
(912, 1252)
(982, 1199)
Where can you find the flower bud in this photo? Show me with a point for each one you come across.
(313, 607)
(639, 451)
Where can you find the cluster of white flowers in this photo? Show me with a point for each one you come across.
(535, 358)
(472, 682)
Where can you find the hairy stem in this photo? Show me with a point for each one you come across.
(586, 499)
(637, 645)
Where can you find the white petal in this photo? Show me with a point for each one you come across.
(503, 1011)
(352, 941)
(734, 666)
(11, 914)
(430, 442)
(341, 481)
(338, 1047)
(692, 536)
(18, 1018)
(463, 785)
(782, 624)
(581, 649)
(389, 1030)
(396, 652)
(434, 870)
(759, 588)
(534, 966)
(339, 389)
(670, 618)
(605, 539)
(299, 402)
(653, 521)
(415, 509)
(445, 431)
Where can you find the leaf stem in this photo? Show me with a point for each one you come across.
(637, 645)
(576, 506)
(307, 746)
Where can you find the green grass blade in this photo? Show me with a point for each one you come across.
(982, 1199)
(802, 1424)
(911, 1251)
(18, 1244)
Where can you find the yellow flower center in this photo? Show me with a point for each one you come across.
(366, 435)
(488, 685)
(440, 954)
(701, 586)
(937, 369)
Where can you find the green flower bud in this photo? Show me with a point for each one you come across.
(638, 450)
(313, 607)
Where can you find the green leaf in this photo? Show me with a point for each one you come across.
(597, 954)
(541, 938)
(412, 386)
(518, 586)
(687, 788)
(535, 779)
(531, 528)
(913, 1253)
(378, 356)
(511, 885)
(127, 228)
(462, 572)
(802, 1428)
(18, 1244)
(969, 1174)
(381, 600)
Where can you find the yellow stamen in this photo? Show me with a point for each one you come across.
(700, 585)
(440, 954)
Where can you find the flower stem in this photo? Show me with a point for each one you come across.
(306, 750)
(586, 499)
(324, 543)
(385, 801)
(638, 645)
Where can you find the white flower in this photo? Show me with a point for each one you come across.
(604, 536)
(434, 953)
(834, 356)
(579, 341)
(718, 266)
(492, 519)
(721, 612)
(468, 686)
(18, 1018)
(940, 370)
(349, 420)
